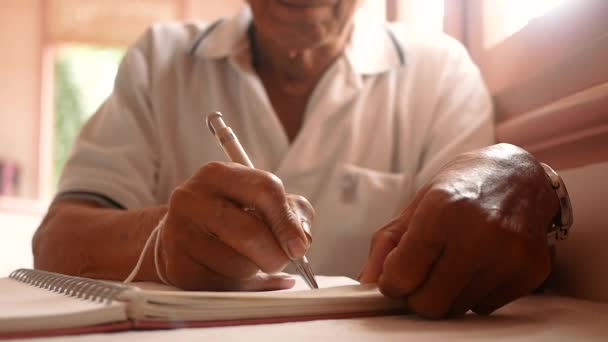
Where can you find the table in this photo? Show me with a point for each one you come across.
(533, 318)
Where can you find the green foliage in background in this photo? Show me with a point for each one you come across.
(84, 77)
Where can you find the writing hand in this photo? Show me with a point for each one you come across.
(210, 242)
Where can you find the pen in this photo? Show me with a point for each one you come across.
(233, 149)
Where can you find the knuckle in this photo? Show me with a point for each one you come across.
(455, 197)
(303, 205)
(390, 233)
(384, 235)
(179, 196)
(274, 179)
(377, 237)
(213, 167)
(271, 187)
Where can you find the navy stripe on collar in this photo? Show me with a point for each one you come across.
(204, 35)
(397, 45)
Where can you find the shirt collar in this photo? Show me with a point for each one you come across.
(372, 49)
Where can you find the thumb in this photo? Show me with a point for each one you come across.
(268, 282)
(277, 211)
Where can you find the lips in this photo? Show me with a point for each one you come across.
(308, 3)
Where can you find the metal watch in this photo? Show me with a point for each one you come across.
(560, 227)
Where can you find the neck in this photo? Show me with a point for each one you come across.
(297, 71)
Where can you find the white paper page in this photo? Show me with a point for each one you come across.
(336, 295)
(26, 308)
(323, 282)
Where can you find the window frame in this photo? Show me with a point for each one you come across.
(552, 96)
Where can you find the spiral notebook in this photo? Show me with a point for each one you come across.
(37, 303)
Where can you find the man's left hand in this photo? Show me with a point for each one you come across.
(473, 238)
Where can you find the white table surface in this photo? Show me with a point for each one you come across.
(534, 318)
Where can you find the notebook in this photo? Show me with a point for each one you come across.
(37, 303)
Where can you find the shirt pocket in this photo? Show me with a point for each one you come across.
(355, 203)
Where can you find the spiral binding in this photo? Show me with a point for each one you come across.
(82, 288)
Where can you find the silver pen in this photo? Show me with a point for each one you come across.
(233, 149)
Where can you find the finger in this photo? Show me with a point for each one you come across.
(494, 272)
(219, 258)
(268, 282)
(524, 283)
(262, 191)
(235, 228)
(503, 295)
(408, 265)
(302, 207)
(185, 274)
(385, 240)
(448, 277)
(304, 211)
(478, 288)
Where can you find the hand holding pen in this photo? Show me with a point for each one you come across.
(210, 243)
(233, 149)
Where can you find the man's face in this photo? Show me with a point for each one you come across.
(302, 24)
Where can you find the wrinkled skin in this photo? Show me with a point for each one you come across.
(473, 238)
(210, 243)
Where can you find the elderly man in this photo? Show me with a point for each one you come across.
(372, 124)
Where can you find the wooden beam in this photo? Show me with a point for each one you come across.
(543, 42)
(581, 69)
(392, 10)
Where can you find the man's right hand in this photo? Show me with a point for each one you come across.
(228, 222)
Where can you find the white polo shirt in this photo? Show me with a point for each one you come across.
(385, 116)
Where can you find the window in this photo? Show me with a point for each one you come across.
(510, 16)
(545, 64)
(421, 15)
(84, 78)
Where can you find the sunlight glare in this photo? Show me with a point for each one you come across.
(518, 13)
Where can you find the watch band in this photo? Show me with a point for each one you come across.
(560, 227)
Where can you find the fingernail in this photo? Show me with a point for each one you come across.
(282, 275)
(296, 248)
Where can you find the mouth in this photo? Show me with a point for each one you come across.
(308, 3)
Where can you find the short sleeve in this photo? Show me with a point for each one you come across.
(116, 152)
(463, 119)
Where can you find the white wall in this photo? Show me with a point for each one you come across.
(211, 10)
(582, 259)
(16, 231)
(20, 82)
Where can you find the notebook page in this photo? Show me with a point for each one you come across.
(323, 282)
(201, 306)
(28, 308)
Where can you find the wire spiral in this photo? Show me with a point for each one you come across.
(82, 288)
